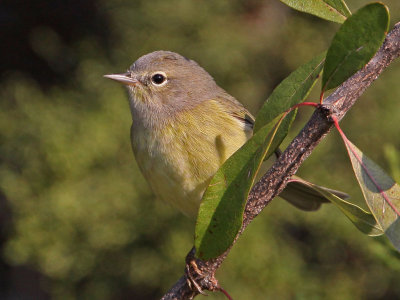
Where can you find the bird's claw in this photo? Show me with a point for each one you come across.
(197, 279)
(193, 271)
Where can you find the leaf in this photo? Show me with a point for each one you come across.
(299, 193)
(362, 219)
(221, 210)
(292, 90)
(380, 191)
(331, 10)
(355, 43)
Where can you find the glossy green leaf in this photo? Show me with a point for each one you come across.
(332, 10)
(299, 193)
(291, 91)
(361, 218)
(380, 191)
(221, 210)
(355, 43)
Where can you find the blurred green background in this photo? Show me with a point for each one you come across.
(78, 220)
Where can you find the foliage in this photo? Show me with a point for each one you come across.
(332, 10)
(82, 214)
(355, 43)
(380, 191)
(221, 212)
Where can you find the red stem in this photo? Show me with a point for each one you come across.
(313, 104)
(346, 141)
(225, 293)
(321, 97)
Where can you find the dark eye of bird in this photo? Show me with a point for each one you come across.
(158, 78)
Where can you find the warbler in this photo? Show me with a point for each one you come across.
(184, 127)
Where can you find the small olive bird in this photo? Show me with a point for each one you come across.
(184, 127)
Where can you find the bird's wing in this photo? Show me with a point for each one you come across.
(297, 192)
(237, 110)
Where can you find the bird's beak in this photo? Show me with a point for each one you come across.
(124, 78)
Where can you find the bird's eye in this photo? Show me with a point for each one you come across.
(159, 79)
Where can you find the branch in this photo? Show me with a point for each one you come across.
(277, 177)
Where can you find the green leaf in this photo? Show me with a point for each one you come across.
(332, 10)
(221, 210)
(299, 193)
(380, 191)
(292, 90)
(362, 219)
(355, 43)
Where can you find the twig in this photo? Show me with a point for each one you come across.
(277, 177)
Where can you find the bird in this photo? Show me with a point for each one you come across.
(185, 127)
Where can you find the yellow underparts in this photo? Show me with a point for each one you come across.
(179, 159)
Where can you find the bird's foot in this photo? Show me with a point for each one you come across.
(197, 279)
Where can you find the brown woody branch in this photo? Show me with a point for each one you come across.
(276, 179)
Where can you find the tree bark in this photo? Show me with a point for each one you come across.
(277, 177)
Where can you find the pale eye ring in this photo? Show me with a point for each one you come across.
(159, 78)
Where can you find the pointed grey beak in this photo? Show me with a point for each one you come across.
(124, 78)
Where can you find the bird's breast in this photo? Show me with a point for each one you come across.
(179, 159)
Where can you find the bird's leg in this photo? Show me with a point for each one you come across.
(197, 279)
